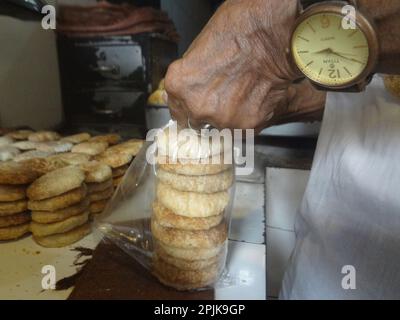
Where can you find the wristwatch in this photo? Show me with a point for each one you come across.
(334, 45)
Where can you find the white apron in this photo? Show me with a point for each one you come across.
(350, 216)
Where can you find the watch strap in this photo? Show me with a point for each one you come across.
(308, 3)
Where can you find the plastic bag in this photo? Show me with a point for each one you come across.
(172, 210)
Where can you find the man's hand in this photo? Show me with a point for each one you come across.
(237, 73)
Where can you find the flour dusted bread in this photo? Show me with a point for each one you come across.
(96, 172)
(33, 154)
(130, 147)
(168, 219)
(77, 138)
(8, 153)
(192, 167)
(71, 158)
(186, 264)
(15, 173)
(11, 207)
(14, 232)
(54, 146)
(56, 183)
(110, 139)
(102, 195)
(61, 214)
(114, 159)
(90, 148)
(46, 229)
(203, 239)
(20, 134)
(98, 206)
(192, 204)
(64, 239)
(5, 141)
(97, 187)
(26, 145)
(12, 193)
(42, 136)
(15, 219)
(59, 202)
(183, 279)
(201, 184)
(120, 171)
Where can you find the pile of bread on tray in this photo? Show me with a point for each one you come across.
(51, 186)
(189, 221)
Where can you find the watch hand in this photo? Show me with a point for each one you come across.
(327, 50)
(347, 58)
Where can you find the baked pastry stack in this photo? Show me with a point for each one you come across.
(188, 222)
(119, 158)
(60, 207)
(14, 215)
(98, 178)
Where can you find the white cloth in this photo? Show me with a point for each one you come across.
(350, 213)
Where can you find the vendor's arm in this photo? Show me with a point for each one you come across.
(237, 73)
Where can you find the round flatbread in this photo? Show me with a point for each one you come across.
(47, 229)
(192, 168)
(102, 195)
(33, 154)
(117, 181)
(59, 202)
(110, 139)
(97, 187)
(20, 134)
(191, 254)
(90, 148)
(203, 184)
(192, 204)
(5, 141)
(120, 171)
(17, 173)
(71, 158)
(14, 232)
(25, 145)
(168, 219)
(15, 219)
(42, 136)
(96, 172)
(64, 239)
(180, 279)
(55, 146)
(11, 207)
(114, 159)
(77, 138)
(130, 147)
(204, 239)
(62, 214)
(187, 264)
(8, 153)
(12, 193)
(97, 207)
(56, 183)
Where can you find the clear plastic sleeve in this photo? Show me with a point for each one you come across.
(172, 210)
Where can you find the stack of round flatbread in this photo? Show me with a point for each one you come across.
(98, 179)
(119, 157)
(60, 207)
(14, 214)
(188, 222)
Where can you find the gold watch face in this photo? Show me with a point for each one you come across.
(327, 53)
